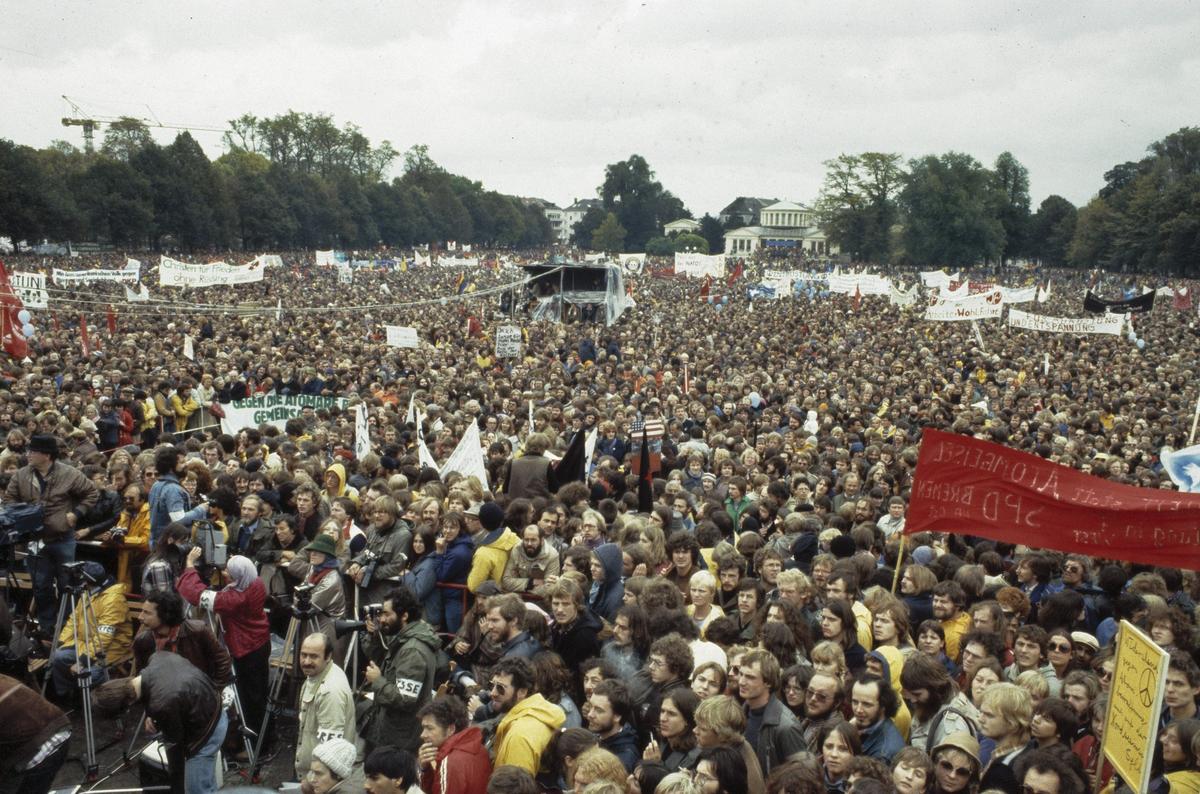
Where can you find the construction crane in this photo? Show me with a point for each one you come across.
(89, 122)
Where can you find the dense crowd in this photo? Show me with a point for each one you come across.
(751, 625)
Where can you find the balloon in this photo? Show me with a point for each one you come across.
(24, 316)
(1133, 336)
(1141, 343)
(27, 329)
(755, 400)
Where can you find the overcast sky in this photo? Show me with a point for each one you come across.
(723, 99)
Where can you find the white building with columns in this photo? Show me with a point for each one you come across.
(783, 224)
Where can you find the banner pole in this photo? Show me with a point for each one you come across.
(1195, 419)
(899, 560)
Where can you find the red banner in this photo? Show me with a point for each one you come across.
(972, 487)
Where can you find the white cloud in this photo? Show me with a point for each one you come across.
(722, 99)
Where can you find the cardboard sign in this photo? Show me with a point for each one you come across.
(1134, 706)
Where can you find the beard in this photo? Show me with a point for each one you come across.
(923, 710)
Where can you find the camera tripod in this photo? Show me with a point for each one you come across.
(87, 636)
(283, 688)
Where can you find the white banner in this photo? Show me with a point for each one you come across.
(457, 261)
(270, 260)
(31, 289)
(632, 263)
(904, 299)
(189, 350)
(271, 409)
(401, 336)
(862, 283)
(1043, 294)
(362, 432)
(984, 306)
(130, 274)
(421, 260)
(937, 278)
(780, 282)
(1097, 324)
(700, 265)
(141, 296)
(173, 273)
(1018, 295)
(345, 273)
(467, 457)
(326, 258)
(508, 342)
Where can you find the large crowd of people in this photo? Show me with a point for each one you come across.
(751, 624)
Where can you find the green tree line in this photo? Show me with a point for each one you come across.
(292, 181)
(950, 209)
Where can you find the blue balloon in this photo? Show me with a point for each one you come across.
(1141, 343)
(27, 329)
(755, 400)
(24, 316)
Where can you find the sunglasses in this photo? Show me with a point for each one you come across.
(1060, 647)
(951, 769)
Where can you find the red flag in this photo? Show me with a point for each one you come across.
(1183, 299)
(704, 289)
(54, 319)
(974, 487)
(112, 321)
(83, 336)
(736, 274)
(857, 298)
(10, 324)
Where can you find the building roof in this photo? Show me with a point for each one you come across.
(684, 223)
(583, 205)
(777, 233)
(787, 206)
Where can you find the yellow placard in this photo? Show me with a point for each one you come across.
(1134, 706)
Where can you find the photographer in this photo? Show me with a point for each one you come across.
(34, 742)
(165, 563)
(132, 533)
(185, 706)
(389, 542)
(240, 605)
(169, 502)
(65, 496)
(108, 639)
(317, 566)
(165, 629)
(402, 650)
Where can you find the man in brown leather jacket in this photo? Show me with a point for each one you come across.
(164, 629)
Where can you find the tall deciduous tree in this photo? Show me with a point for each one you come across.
(857, 205)
(1010, 180)
(609, 236)
(949, 212)
(640, 202)
(1050, 231)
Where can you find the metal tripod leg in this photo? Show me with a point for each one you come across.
(292, 641)
(218, 630)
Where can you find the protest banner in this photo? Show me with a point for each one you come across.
(699, 265)
(130, 274)
(401, 336)
(508, 341)
(467, 457)
(326, 258)
(984, 306)
(862, 283)
(1142, 303)
(972, 487)
(141, 296)
(362, 432)
(1134, 706)
(272, 409)
(31, 289)
(1018, 295)
(173, 273)
(345, 273)
(1104, 324)
(456, 261)
(937, 278)
(633, 263)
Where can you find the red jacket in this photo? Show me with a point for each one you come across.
(242, 615)
(462, 766)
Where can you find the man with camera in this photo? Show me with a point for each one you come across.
(326, 700)
(95, 634)
(402, 649)
(168, 500)
(65, 495)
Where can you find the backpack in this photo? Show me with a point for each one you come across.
(972, 728)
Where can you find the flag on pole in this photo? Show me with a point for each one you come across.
(10, 320)
(531, 416)
(467, 457)
(1183, 299)
(589, 447)
(857, 298)
(1183, 467)
(645, 487)
(112, 321)
(704, 288)
(362, 432)
(279, 310)
(573, 465)
(83, 336)
(411, 417)
(738, 269)
(189, 348)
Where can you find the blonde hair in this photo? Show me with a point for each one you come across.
(794, 577)
(828, 652)
(680, 783)
(723, 716)
(703, 579)
(1013, 704)
(598, 764)
(1032, 682)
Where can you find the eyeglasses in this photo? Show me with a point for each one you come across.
(1060, 647)
(654, 663)
(1106, 675)
(951, 769)
(820, 697)
(1073, 567)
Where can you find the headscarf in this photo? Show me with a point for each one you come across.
(242, 572)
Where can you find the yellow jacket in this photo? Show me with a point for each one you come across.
(113, 630)
(149, 414)
(525, 732)
(491, 558)
(183, 410)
